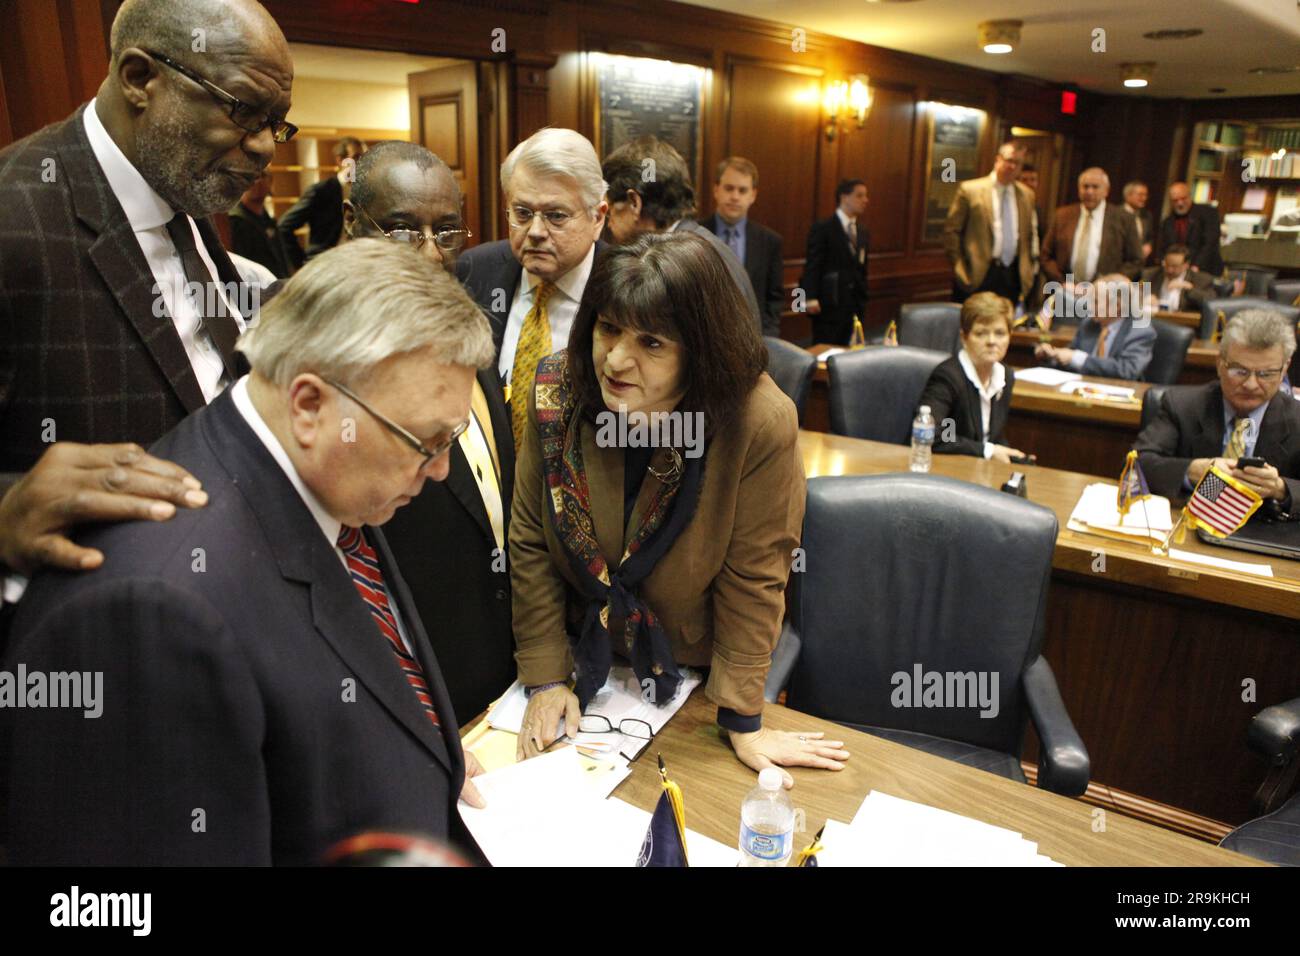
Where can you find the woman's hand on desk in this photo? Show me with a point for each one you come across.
(542, 718)
(1004, 454)
(770, 748)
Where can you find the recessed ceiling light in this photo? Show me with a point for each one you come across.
(999, 36)
(1186, 34)
(1136, 75)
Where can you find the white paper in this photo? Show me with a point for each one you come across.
(1051, 377)
(1245, 567)
(1115, 393)
(1097, 510)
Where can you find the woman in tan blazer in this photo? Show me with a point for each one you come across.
(659, 556)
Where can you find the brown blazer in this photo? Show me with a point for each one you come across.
(1121, 249)
(719, 592)
(1191, 299)
(968, 232)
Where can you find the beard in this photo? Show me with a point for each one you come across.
(172, 161)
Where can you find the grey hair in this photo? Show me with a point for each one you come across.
(1131, 185)
(559, 152)
(361, 303)
(1259, 329)
(1096, 169)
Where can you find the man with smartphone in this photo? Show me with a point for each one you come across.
(1242, 422)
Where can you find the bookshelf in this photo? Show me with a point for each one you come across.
(1240, 166)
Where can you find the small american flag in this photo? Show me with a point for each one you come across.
(1221, 505)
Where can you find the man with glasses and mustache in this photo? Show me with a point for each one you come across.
(106, 242)
(531, 283)
(1242, 414)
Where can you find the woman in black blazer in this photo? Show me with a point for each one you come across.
(970, 395)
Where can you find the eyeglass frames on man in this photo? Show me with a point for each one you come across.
(248, 118)
(521, 217)
(409, 439)
(1265, 376)
(447, 238)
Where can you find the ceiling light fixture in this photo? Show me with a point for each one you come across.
(1137, 75)
(1000, 36)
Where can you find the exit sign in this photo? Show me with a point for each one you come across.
(1069, 100)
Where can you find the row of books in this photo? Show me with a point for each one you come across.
(1266, 166)
(1280, 138)
(1226, 134)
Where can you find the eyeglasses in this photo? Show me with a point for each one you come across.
(1265, 376)
(248, 118)
(628, 726)
(521, 217)
(448, 238)
(402, 433)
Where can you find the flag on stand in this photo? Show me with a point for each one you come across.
(1220, 504)
(858, 340)
(1132, 485)
(891, 333)
(665, 839)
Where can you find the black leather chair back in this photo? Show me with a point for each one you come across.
(874, 391)
(931, 325)
(919, 571)
(792, 369)
(1223, 287)
(1286, 291)
(1258, 281)
(1169, 351)
(1151, 403)
(1229, 307)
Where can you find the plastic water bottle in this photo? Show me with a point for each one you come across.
(922, 439)
(766, 822)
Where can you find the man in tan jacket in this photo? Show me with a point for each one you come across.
(989, 233)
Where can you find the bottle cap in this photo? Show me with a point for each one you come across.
(769, 778)
(925, 409)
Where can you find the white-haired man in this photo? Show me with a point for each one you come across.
(267, 688)
(531, 283)
(1244, 413)
(1091, 237)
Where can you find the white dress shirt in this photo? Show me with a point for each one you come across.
(148, 213)
(1137, 219)
(1170, 299)
(329, 525)
(988, 393)
(561, 309)
(998, 190)
(1094, 239)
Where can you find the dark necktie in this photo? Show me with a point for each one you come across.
(363, 566)
(222, 328)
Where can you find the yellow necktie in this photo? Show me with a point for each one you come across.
(534, 345)
(1080, 265)
(1101, 341)
(1237, 443)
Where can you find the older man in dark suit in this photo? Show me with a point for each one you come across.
(834, 277)
(268, 688)
(1091, 237)
(105, 243)
(1243, 413)
(1115, 341)
(735, 189)
(1194, 225)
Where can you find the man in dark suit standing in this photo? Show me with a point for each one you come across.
(1244, 413)
(1174, 286)
(1090, 238)
(407, 194)
(834, 277)
(1135, 204)
(320, 208)
(735, 188)
(267, 686)
(253, 233)
(105, 241)
(1195, 226)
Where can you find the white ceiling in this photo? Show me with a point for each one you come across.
(1056, 40)
(360, 66)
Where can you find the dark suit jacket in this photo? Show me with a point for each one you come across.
(1146, 226)
(734, 266)
(1192, 299)
(258, 691)
(256, 237)
(1189, 425)
(1202, 238)
(1121, 251)
(82, 345)
(950, 394)
(833, 273)
(444, 545)
(763, 263)
(1128, 348)
(320, 209)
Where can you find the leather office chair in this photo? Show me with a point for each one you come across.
(1287, 292)
(1223, 287)
(1169, 352)
(1275, 836)
(874, 391)
(1258, 281)
(940, 554)
(1151, 402)
(931, 325)
(1229, 307)
(792, 369)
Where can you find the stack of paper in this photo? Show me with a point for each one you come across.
(1097, 512)
(889, 831)
(1100, 391)
(552, 811)
(1051, 377)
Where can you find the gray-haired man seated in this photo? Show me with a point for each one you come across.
(267, 688)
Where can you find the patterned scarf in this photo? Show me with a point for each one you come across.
(611, 595)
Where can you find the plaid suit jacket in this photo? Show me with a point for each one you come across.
(83, 356)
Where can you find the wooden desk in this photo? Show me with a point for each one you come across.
(1150, 653)
(1200, 367)
(714, 783)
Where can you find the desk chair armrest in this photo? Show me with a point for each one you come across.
(783, 661)
(1063, 765)
(1275, 732)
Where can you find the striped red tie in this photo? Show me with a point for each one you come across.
(363, 565)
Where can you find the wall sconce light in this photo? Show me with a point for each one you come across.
(834, 100)
(846, 100)
(1000, 36)
(860, 98)
(1137, 75)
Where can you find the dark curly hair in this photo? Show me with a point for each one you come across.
(667, 195)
